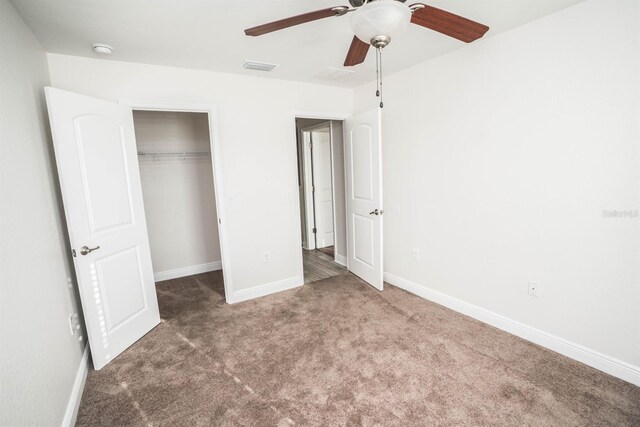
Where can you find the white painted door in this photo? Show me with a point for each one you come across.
(323, 192)
(95, 150)
(309, 218)
(363, 162)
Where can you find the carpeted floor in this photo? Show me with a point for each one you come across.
(338, 352)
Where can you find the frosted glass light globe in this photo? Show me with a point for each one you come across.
(380, 18)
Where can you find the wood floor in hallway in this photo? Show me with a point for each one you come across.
(319, 266)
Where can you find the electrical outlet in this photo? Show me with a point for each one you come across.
(74, 324)
(71, 324)
(266, 256)
(415, 255)
(534, 287)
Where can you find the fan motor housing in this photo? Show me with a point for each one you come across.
(358, 3)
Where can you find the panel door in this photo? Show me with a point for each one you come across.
(97, 163)
(363, 161)
(323, 191)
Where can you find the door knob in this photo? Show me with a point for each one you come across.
(86, 251)
(376, 212)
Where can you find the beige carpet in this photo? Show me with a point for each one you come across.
(337, 352)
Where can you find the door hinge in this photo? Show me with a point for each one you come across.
(313, 188)
(311, 146)
(73, 252)
(315, 231)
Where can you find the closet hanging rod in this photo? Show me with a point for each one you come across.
(178, 154)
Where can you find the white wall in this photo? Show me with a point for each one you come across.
(499, 165)
(39, 357)
(179, 197)
(258, 155)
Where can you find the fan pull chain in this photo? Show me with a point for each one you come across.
(379, 75)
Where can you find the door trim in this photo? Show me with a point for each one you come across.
(218, 179)
(333, 194)
(307, 184)
(309, 181)
(328, 116)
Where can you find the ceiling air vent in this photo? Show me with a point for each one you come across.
(260, 66)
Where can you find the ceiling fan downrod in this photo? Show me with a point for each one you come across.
(379, 75)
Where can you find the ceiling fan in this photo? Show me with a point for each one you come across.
(375, 22)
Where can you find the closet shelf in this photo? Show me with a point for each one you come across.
(175, 154)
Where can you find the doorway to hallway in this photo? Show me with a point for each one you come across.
(322, 197)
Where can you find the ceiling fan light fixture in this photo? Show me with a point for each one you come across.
(379, 21)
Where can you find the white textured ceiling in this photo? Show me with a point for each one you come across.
(208, 34)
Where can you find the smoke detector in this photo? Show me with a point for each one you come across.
(102, 48)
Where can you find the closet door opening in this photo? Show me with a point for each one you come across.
(176, 171)
(320, 147)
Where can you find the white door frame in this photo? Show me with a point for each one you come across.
(307, 178)
(341, 116)
(310, 218)
(218, 180)
(333, 196)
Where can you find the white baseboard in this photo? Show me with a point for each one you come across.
(187, 271)
(341, 259)
(595, 359)
(73, 405)
(266, 289)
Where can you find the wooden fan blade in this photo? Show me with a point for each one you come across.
(357, 52)
(449, 24)
(293, 20)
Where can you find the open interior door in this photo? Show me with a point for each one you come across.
(363, 163)
(322, 187)
(97, 162)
